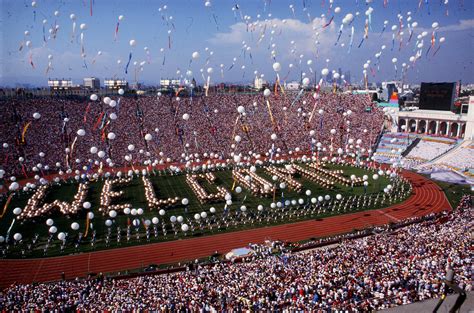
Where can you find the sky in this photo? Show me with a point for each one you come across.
(235, 45)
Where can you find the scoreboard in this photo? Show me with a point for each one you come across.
(437, 96)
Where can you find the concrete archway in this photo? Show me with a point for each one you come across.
(422, 126)
(453, 130)
(431, 127)
(411, 125)
(401, 122)
(442, 128)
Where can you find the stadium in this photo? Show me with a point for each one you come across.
(208, 190)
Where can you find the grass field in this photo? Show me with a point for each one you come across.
(165, 185)
(454, 192)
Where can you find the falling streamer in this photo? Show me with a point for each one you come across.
(128, 63)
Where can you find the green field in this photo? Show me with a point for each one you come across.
(167, 185)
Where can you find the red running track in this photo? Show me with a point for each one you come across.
(427, 198)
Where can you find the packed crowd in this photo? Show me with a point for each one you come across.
(36, 132)
(389, 268)
(461, 159)
(428, 150)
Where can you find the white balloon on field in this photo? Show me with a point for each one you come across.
(75, 226)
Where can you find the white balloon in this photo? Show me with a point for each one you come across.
(14, 186)
(17, 236)
(133, 43)
(75, 226)
(276, 67)
(49, 222)
(36, 115)
(348, 18)
(267, 92)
